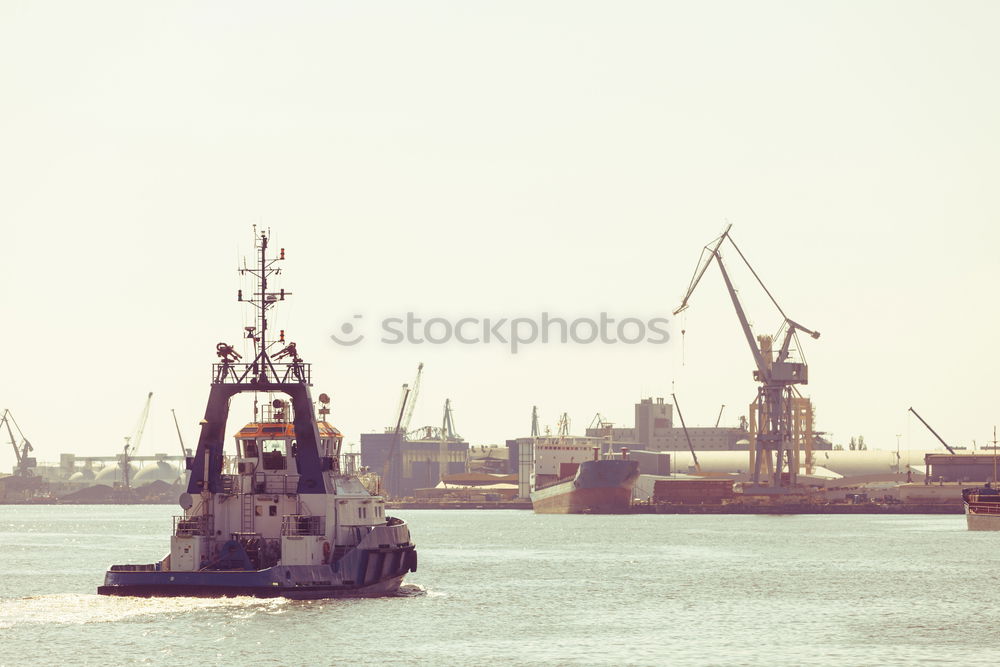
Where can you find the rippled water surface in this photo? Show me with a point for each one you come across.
(510, 587)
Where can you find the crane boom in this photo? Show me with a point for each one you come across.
(744, 322)
(394, 446)
(946, 446)
(184, 452)
(713, 253)
(764, 366)
(697, 466)
(137, 438)
(414, 392)
(702, 267)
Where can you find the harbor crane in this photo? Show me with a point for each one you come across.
(598, 422)
(414, 392)
(774, 429)
(407, 401)
(24, 463)
(562, 426)
(448, 431)
(130, 448)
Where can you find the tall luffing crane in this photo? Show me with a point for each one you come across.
(774, 427)
(407, 401)
(22, 447)
(132, 444)
(414, 392)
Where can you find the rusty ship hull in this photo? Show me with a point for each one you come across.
(597, 487)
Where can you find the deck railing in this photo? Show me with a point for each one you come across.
(189, 526)
(269, 483)
(302, 524)
(992, 509)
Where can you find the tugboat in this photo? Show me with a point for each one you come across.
(286, 516)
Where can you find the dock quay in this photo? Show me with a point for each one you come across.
(459, 505)
(729, 508)
(801, 508)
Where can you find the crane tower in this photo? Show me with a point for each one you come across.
(780, 419)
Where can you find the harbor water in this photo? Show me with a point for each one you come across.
(511, 587)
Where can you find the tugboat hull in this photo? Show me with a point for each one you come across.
(150, 590)
(374, 574)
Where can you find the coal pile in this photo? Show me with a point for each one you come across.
(155, 493)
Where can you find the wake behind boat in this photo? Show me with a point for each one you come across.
(286, 515)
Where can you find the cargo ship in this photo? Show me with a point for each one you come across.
(598, 487)
(601, 485)
(982, 507)
(285, 516)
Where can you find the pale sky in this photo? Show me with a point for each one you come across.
(499, 159)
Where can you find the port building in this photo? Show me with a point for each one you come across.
(423, 459)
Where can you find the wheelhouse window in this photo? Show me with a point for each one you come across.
(249, 449)
(274, 453)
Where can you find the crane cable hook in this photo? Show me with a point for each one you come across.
(683, 331)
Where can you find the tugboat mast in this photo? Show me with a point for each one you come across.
(262, 299)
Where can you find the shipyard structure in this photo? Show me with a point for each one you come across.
(423, 458)
(654, 440)
(654, 430)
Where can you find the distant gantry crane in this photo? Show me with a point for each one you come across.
(780, 418)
